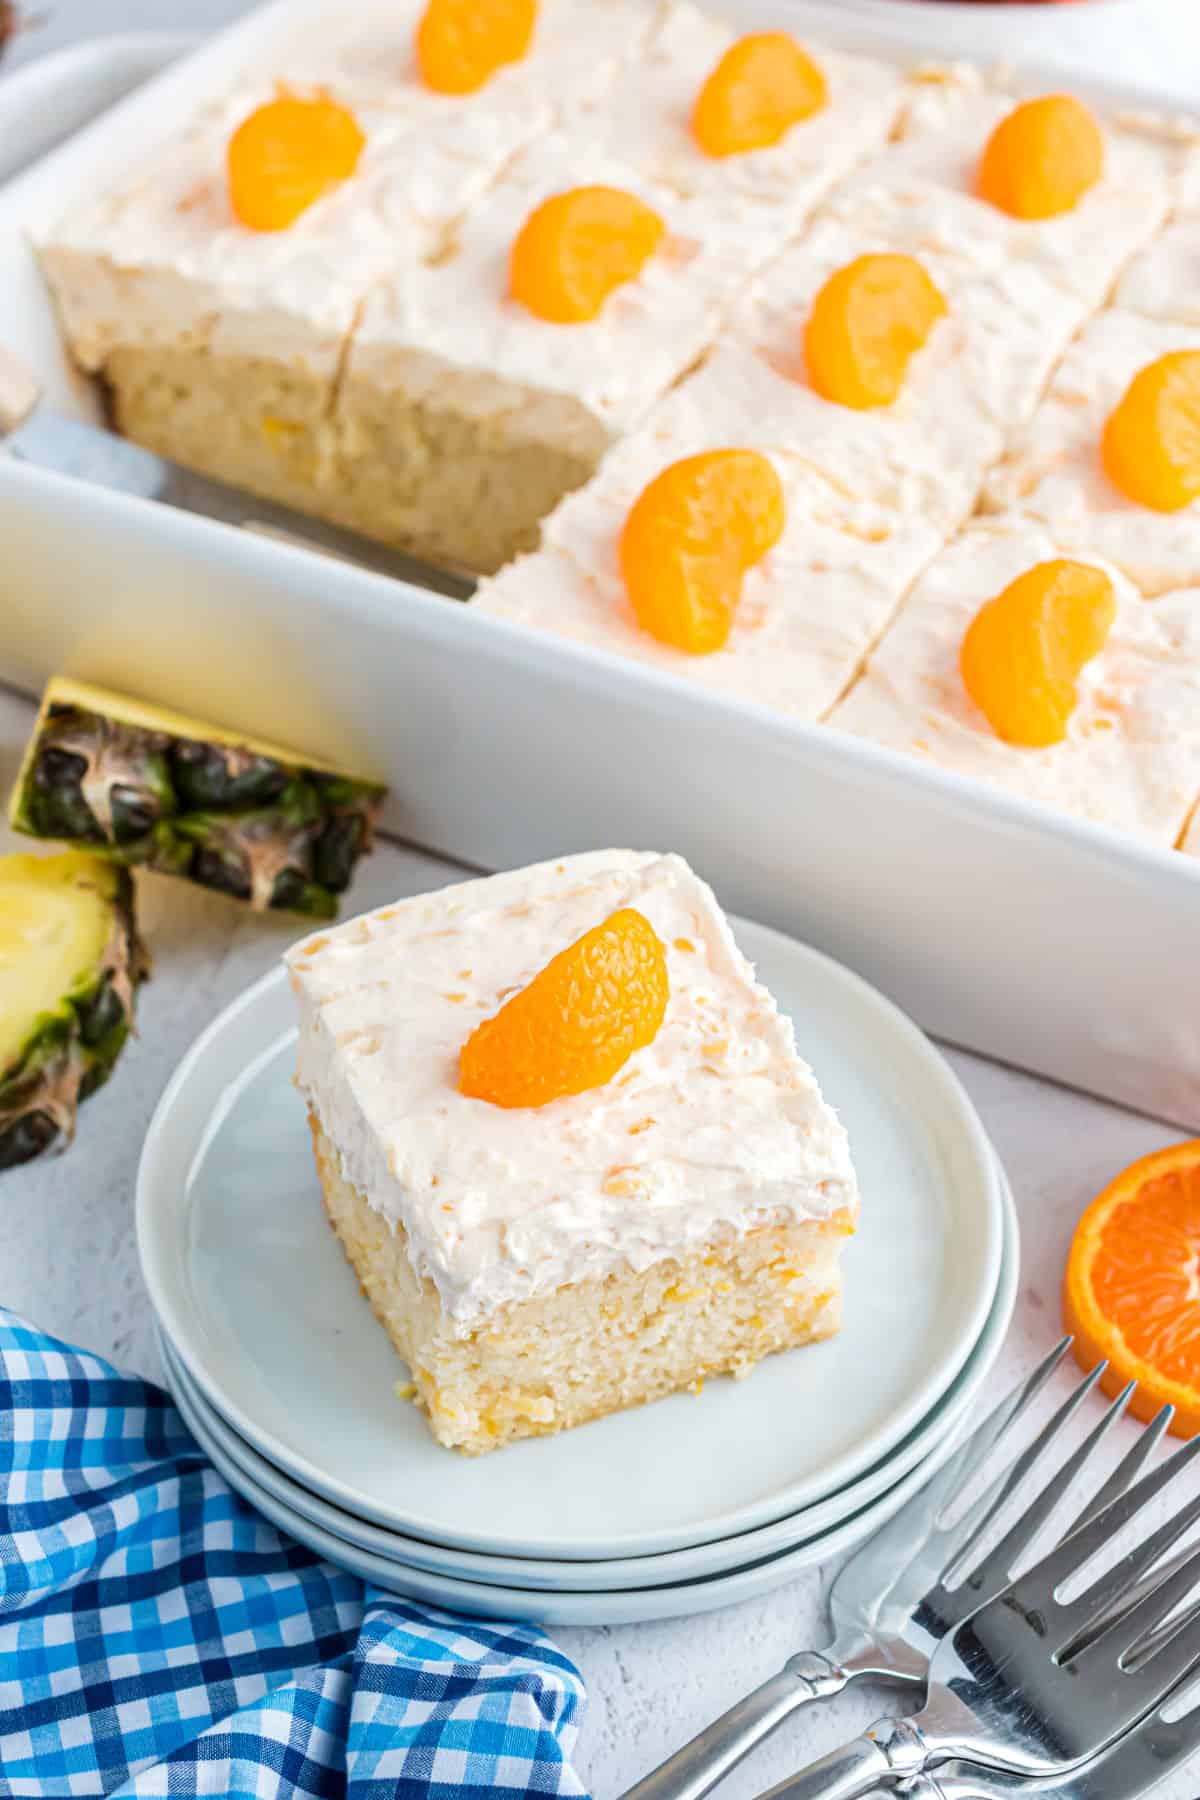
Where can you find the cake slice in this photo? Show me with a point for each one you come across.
(1054, 470)
(932, 173)
(627, 1198)
(978, 374)
(466, 414)
(1130, 753)
(808, 611)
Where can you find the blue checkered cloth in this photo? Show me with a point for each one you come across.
(158, 1637)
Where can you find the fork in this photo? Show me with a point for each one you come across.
(1146, 1755)
(1035, 1684)
(889, 1605)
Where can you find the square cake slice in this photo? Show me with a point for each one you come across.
(540, 1265)
(808, 611)
(465, 415)
(1131, 754)
(1054, 472)
(979, 373)
(930, 172)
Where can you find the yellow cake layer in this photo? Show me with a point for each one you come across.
(594, 1347)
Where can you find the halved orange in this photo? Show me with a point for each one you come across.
(1132, 1291)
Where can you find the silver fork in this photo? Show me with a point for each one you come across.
(1037, 1685)
(889, 1606)
(1146, 1755)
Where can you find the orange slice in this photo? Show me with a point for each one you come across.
(1023, 651)
(762, 86)
(866, 325)
(689, 539)
(577, 1023)
(575, 248)
(1151, 443)
(1132, 1291)
(286, 155)
(1042, 159)
(461, 43)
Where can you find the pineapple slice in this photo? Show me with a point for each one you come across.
(70, 959)
(139, 785)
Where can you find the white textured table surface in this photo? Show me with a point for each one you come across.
(67, 1257)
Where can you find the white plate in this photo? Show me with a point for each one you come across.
(671, 1566)
(256, 1296)
(622, 1606)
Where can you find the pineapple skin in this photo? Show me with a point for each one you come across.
(75, 1041)
(140, 788)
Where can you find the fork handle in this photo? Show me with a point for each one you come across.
(709, 1757)
(891, 1751)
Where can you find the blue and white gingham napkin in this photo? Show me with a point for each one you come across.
(158, 1637)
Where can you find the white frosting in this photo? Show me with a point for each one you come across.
(979, 373)
(1053, 470)
(808, 610)
(932, 173)
(576, 50)
(451, 328)
(646, 118)
(163, 260)
(1131, 757)
(1164, 281)
(715, 1126)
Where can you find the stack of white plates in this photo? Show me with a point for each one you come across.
(290, 1385)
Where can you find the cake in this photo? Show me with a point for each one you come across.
(979, 373)
(221, 344)
(1053, 470)
(808, 611)
(539, 1265)
(869, 494)
(931, 173)
(1130, 756)
(464, 416)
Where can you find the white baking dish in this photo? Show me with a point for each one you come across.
(1053, 944)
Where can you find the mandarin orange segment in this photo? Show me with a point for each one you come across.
(1132, 1290)
(1151, 443)
(1023, 651)
(576, 247)
(867, 323)
(762, 86)
(286, 155)
(689, 539)
(577, 1023)
(461, 43)
(1042, 159)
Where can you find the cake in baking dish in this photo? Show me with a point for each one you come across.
(1115, 738)
(568, 1144)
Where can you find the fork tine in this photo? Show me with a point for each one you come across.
(1157, 1678)
(974, 1451)
(997, 1566)
(1014, 1477)
(890, 1550)
(1132, 1626)
(1129, 1469)
(1123, 1607)
(1038, 1587)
